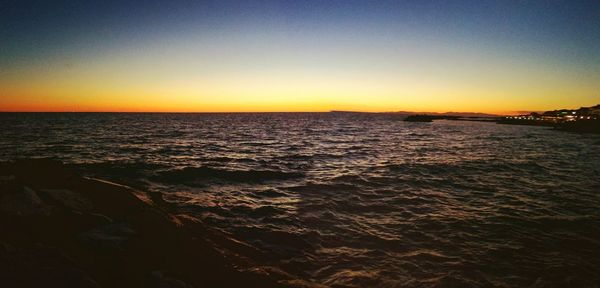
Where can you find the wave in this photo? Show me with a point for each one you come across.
(131, 173)
(191, 175)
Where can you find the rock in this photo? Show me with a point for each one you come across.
(69, 199)
(5, 249)
(103, 218)
(46, 173)
(42, 266)
(300, 284)
(159, 280)
(104, 234)
(111, 236)
(7, 178)
(24, 203)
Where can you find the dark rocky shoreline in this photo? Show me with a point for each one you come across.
(579, 126)
(582, 126)
(60, 229)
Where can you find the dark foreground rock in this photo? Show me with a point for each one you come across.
(59, 229)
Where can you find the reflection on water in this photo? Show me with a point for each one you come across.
(347, 199)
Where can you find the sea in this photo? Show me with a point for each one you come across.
(353, 199)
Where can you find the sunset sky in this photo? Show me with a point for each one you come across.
(485, 56)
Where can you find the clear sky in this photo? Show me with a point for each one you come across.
(485, 56)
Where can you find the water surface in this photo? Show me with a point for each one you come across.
(356, 199)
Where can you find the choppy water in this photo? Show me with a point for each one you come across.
(364, 200)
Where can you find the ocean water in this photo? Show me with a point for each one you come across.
(361, 200)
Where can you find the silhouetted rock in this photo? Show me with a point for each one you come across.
(429, 118)
(111, 236)
(62, 230)
(41, 266)
(159, 280)
(23, 203)
(45, 173)
(69, 199)
(419, 118)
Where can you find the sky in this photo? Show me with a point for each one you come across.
(233, 56)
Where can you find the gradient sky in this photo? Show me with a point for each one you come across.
(487, 56)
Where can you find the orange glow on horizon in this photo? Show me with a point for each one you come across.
(100, 89)
(176, 107)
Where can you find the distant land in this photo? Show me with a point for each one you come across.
(456, 114)
(584, 119)
(408, 113)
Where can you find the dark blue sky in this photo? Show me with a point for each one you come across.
(561, 27)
